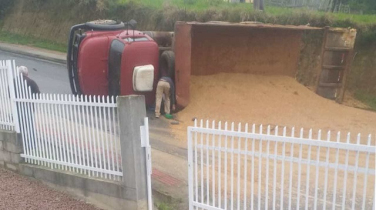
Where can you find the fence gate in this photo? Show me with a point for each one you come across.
(256, 167)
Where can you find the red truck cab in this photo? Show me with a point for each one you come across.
(112, 62)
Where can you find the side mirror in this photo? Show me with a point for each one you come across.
(133, 24)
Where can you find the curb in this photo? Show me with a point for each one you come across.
(43, 57)
(161, 196)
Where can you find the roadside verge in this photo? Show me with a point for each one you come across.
(49, 55)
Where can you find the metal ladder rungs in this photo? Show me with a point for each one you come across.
(333, 67)
(341, 49)
(324, 84)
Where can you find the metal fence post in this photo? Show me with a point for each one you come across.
(12, 95)
(190, 170)
(131, 112)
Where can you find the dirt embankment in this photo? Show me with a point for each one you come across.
(275, 100)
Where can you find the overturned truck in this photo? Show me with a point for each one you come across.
(112, 58)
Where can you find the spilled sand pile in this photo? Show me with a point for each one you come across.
(274, 100)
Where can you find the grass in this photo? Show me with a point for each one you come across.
(31, 41)
(195, 5)
(366, 98)
(357, 18)
(202, 5)
(365, 19)
(164, 206)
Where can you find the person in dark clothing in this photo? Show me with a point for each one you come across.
(165, 90)
(29, 82)
(26, 116)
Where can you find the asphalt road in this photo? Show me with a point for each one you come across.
(51, 77)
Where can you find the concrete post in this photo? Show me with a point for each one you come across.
(131, 113)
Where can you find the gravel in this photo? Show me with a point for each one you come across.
(19, 192)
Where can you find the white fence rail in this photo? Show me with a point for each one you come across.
(8, 112)
(66, 132)
(272, 168)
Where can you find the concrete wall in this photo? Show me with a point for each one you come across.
(10, 150)
(102, 193)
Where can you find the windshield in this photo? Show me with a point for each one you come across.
(114, 65)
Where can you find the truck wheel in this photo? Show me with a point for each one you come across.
(167, 64)
(105, 25)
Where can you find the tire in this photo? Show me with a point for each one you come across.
(105, 25)
(167, 64)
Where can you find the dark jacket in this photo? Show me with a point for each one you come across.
(172, 89)
(32, 84)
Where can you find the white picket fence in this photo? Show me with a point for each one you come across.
(66, 132)
(271, 168)
(8, 111)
